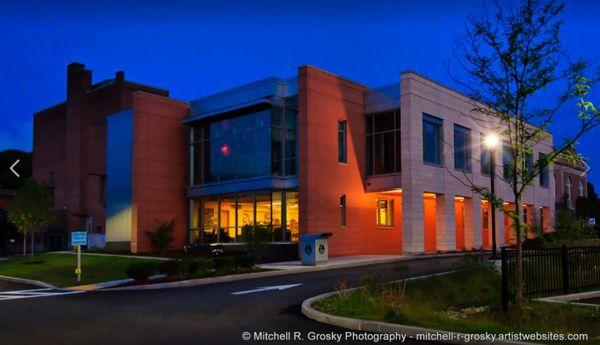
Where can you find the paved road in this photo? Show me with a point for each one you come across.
(195, 315)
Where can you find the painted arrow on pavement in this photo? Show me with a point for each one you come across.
(266, 288)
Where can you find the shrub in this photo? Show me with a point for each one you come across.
(245, 261)
(140, 270)
(257, 239)
(171, 267)
(162, 238)
(198, 265)
(224, 263)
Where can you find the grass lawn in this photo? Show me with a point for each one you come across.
(467, 302)
(59, 269)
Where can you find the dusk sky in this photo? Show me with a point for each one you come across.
(194, 48)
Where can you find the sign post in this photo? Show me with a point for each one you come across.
(78, 238)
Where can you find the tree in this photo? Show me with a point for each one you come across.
(510, 57)
(162, 238)
(30, 211)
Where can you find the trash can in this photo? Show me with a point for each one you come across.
(315, 248)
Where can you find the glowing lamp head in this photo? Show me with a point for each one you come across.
(491, 141)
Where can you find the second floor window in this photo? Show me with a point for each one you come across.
(486, 161)
(432, 140)
(342, 142)
(254, 144)
(462, 148)
(383, 142)
(544, 175)
(507, 161)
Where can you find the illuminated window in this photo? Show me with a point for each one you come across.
(343, 210)
(385, 212)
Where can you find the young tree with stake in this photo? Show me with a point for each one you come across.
(510, 57)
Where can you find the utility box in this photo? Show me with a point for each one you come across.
(315, 248)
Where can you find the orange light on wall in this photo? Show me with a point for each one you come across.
(429, 195)
(459, 198)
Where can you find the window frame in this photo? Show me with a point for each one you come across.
(371, 136)
(466, 151)
(343, 210)
(439, 124)
(342, 129)
(389, 221)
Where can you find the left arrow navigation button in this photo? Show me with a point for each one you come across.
(12, 168)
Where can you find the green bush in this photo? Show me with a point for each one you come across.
(224, 263)
(245, 261)
(140, 270)
(171, 267)
(198, 265)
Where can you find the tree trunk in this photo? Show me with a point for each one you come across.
(519, 271)
(24, 244)
(32, 244)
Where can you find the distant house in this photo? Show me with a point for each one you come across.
(571, 181)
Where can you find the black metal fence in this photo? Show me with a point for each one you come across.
(552, 271)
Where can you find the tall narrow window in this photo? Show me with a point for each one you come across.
(383, 142)
(462, 148)
(544, 176)
(568, 190)
(486, 162)
(385, 212)
(343, 210)
(580, 189)
(432, 140)
(507, 161)
(342, 142)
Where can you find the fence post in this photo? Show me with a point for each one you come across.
(564, 256)
(504, 268)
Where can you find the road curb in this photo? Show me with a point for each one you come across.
(274, 273)
(378, 326)
(28, 281)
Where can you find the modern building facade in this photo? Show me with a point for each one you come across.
(384, 170)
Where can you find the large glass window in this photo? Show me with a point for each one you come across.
(462, 148)
(260, 143)
(432, 140)
(383, 143)
(385, 212)
(226, 218)
(342, 142)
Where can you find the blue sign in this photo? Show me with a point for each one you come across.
(79, 238)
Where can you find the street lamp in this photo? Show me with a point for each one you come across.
(491, 142)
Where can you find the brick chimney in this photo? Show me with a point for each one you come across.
(120, 76)
(79, 79)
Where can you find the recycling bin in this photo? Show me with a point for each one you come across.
(315, 248)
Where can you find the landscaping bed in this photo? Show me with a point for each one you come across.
(467, 302)
(58, 269)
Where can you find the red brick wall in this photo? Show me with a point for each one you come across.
(70, 140)
(160, 168)
(324, 99)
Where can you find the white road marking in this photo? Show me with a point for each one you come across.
(266, 288)
(33, 293)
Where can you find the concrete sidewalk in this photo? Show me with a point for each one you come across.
(357, 260)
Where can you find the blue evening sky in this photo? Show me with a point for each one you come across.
(194, 48)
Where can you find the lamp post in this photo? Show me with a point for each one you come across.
(491, 141)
